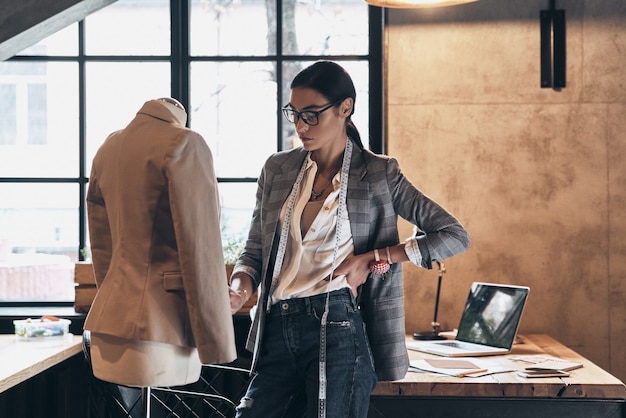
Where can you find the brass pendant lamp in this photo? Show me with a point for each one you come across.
(413, 4)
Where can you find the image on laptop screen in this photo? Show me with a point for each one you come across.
(491, 315)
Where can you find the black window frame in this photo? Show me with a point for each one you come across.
(180, 61)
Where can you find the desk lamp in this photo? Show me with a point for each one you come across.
(434, 334)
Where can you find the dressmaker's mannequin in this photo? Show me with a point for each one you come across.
(143, 363)
(162, 307)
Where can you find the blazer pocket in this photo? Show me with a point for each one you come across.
(173, 280)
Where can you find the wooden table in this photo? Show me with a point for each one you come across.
(24, 360)
(588, 392)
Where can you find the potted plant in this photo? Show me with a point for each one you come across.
(233, 248)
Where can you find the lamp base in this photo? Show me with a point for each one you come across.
(427, 336)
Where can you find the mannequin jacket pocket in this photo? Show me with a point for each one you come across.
(173, 280)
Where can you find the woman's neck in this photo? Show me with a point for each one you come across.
(329, 160)
(327, 168)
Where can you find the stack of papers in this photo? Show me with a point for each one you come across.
(541, 366)
(463, 367)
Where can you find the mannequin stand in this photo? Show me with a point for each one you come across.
(146, 394)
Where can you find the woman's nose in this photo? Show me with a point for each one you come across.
(301, 126)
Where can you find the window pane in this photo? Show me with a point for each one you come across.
(234, 106)
(38, 241)
(8, 113)
(38, 119)
(238, 200)
(129, 27)
(231, 28)
(63, 42)
(359, 72)
(234, 109)
(115, 92)
(37, 114)
(325, 28)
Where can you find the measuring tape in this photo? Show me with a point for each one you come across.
(284, 233)
(282, 245)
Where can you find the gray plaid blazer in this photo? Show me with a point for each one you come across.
(378, 193)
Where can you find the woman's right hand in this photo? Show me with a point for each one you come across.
(240, 291)
(356, 270)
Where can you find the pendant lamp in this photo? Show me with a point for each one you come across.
(413, 4)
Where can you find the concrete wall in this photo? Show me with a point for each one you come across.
(537, 176)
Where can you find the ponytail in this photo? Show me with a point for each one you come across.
(353, 133)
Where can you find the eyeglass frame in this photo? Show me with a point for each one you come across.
(298, 115)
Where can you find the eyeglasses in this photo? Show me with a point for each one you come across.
(310, 117)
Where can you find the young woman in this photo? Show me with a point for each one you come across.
(325, 255)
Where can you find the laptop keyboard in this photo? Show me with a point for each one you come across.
(457, 344)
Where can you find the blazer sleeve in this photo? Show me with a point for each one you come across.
(440, 235)
(250, 261)
(195, 206)
(382, 300)
(101, 248)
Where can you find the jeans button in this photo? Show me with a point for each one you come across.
(285, 306)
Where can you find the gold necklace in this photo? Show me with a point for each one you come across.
(315, 196)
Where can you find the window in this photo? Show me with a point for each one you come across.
(229, 63)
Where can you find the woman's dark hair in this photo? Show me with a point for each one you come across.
(333, 82)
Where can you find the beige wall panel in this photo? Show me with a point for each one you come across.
(604, 52)
(617, 236)
(532, 192)
(478, 58)
(536, 175)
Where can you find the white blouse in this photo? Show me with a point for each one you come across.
(308, 259)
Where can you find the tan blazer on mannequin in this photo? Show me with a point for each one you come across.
(162, 306)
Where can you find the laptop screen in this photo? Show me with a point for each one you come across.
(492, 314)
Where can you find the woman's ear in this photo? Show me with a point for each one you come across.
(346, 107)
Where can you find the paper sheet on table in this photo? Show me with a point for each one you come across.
(484, 367)
(548, 363)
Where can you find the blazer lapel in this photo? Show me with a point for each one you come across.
(281, 184)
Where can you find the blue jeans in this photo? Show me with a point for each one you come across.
(286, 382)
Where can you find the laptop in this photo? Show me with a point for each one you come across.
(488, 326)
